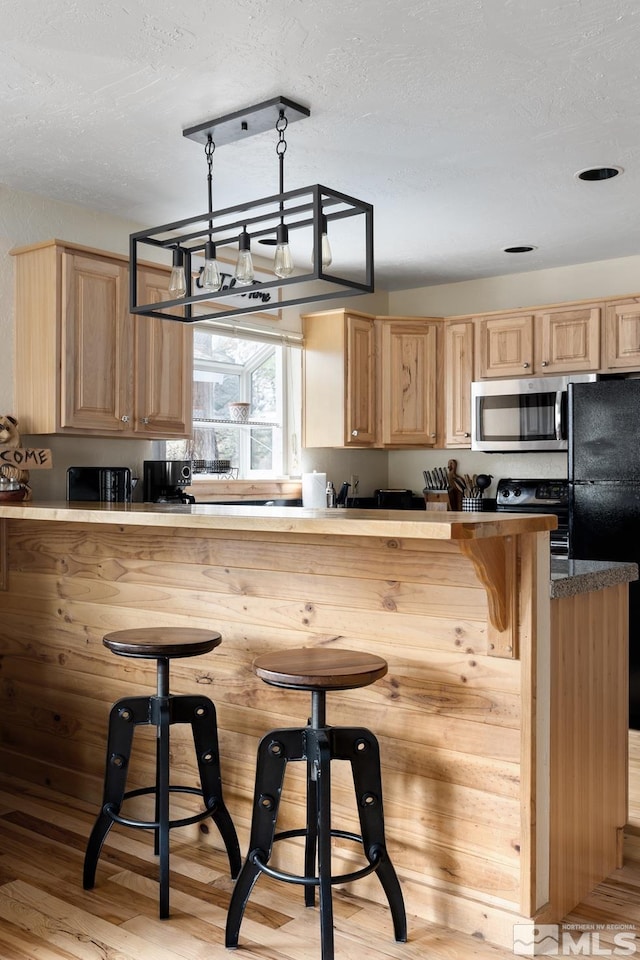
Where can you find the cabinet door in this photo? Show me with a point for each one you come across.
(96, 346)
(360, 410)
(504, 346)
(164, 368)
(458, 373)
(622, 335)
(408, 355)
(568, 341)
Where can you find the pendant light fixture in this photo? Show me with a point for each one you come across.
(211, 281)
(209, 278)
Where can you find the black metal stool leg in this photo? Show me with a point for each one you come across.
(162, 797)
(275, 749)
(125, 714)
(360, 747)
(311, 840)
(200, 712)
(323, 773)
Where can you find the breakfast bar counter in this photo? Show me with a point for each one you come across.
(502, 720)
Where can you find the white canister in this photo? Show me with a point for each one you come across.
(313, 490)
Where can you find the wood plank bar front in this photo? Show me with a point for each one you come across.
(466, 731)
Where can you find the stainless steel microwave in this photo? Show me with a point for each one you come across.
(521, 415)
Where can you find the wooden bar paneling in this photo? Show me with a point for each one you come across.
(448, 724)
(589, 723)
(462, 734)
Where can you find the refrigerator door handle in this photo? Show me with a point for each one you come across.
(558, 411)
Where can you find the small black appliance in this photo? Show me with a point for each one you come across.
(105, 484)
(163, 481)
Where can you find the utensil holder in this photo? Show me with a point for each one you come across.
(471, 503)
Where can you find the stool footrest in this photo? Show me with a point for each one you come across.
(155, 825)
(315, 881)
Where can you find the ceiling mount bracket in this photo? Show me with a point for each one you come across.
(247, 122)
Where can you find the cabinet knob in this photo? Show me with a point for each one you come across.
(525, 365)
(354, 433)
(544, 364)
(433, 436)
(145, 420)
(466, 435)
(125, 419)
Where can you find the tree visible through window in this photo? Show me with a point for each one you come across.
(230, 369)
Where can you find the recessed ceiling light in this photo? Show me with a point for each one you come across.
(599, 173)
(522, 248)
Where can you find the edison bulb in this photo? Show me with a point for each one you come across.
(326, 255)
(244, 264)
(210, 279)
(283, 261)
(177, 280)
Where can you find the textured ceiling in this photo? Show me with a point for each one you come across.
(462, 121)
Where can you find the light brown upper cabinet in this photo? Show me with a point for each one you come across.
(567, 340)
(408, 381)
(558, 340)
(84, 365)
(504, 346)
(339, 388)
(163, 387)
(622, 335)
(458, 374)
(370, 382)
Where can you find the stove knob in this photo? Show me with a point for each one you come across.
(517, 492)
(505, 494)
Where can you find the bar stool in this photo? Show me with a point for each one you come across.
(161, 710)
(317, 671)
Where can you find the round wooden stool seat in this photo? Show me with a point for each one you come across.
(317, 668)
(162, 642)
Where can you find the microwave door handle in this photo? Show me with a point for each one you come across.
(558, 415)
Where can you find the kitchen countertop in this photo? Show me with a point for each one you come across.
(406, 524)
(569, 577)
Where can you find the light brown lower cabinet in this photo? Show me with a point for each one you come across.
(85, 365)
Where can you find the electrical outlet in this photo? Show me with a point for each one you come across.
(355, 481)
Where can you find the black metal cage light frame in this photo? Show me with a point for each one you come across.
(316, 207)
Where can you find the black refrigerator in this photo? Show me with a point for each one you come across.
(604, 490)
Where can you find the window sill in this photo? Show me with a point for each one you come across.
(214, 490)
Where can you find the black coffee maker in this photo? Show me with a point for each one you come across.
(163, 481)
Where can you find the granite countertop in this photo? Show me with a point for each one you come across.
(569, 577)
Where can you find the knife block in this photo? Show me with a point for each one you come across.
(436, 500)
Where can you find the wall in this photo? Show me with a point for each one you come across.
(26, 218)
(519, 290)
(603, 278)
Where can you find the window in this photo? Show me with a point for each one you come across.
(263, 373)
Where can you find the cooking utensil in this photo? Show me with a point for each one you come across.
(483, 481)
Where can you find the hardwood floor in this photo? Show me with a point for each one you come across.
(46, 915)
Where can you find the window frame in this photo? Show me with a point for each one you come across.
(285, 444)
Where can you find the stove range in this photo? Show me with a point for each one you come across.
(539, 496)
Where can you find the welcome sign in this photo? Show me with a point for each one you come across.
(26, 458)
